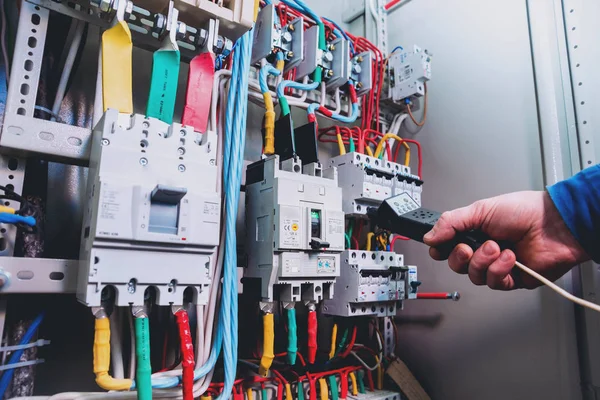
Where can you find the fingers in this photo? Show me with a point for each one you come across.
(459, 220)
(481, 261)
(499, 273)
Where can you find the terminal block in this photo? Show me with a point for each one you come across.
(153, 212)
(408, 71)
(361, 72)
(295, 229)
(372, 283)
(367, 181)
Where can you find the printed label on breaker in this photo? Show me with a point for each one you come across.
(405, 74)
(291, 266)
(325, 265)
(113, 213)
(290, 232)
(336, 226)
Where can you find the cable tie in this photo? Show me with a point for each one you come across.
(37, 343)
(21, 364)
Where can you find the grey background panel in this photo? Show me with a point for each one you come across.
(481, 139)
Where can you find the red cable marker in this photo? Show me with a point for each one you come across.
(199, 91)
(312, 336)
(187, 354)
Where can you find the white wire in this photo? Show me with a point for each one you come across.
(557, 289)
(3, 40)
(98, 99)
(132, 359)
(364, 363)
(69, 62)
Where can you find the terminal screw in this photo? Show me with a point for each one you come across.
(181, 30)
(143, 161)
(105, 142)
(291, 28)
(160, 23)
(181, 168)
(286, 37)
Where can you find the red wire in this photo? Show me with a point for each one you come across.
(391, 4)
(350, 344)
(187, 354)
(356, 246)
(396, 237)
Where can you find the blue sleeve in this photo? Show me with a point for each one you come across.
(578, 202)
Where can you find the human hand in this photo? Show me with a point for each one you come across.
(529, 220)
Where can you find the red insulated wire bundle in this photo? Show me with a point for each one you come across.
(188, 361)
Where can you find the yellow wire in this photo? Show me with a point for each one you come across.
(268, 345)
(249, 394)
(353, 381)
(288, 392)
(333, 340)
(369, 238)
(269, 124)
(341, 144)
(369, 151)
(102, 358)
(379, 374)
(323, 390)
(384, 139)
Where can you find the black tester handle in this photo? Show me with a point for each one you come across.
(402, 215)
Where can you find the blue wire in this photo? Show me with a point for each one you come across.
(295, 85)
(300, 6)
(351, 118)
(7, 218)
(262, 76)
(397, 48)
(14, 358)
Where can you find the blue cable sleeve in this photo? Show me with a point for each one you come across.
(6, 218)
(16, 356)
(351, 118)
(312, 108)
(295, 85)
(262, 76)
(279, 56)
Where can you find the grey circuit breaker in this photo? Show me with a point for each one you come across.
(367, 181)
(373, 283)
(153, 212)
(295, 229)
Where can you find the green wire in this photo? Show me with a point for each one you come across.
(300, 391)
(322, 41)
(352, 148)
(285, 107)
(142, 351)
(318, 74)
(350, 227)
(361, 381)
(333, 386)
(342, 343)
(263, 394)
(347, 240)
(292, 336)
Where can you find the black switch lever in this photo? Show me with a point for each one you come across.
(402, 215)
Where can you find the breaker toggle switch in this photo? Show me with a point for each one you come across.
(167, 194)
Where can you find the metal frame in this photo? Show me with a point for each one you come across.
(37, 275)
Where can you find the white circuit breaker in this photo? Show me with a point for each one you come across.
(408, 71)
(153, 211)
(367, 181)
(372, 283)
(295, 229)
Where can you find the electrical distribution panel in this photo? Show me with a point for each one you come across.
(371, 283)
(153, 211)
(367, 181)
(408, 71)
(295, 229)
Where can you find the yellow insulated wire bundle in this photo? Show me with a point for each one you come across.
(102, 358)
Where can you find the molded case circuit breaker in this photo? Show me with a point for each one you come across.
(153, 211)
(367, 181)
(372, 283)
(295, 229)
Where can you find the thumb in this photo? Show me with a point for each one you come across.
(459, 220)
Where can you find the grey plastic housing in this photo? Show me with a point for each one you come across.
(132, 158)
(279, 199)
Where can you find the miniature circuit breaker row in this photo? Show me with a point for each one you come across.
(367, 181)
(373, 283)
(295, 229)
(153, 211)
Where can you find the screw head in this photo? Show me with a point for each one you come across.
(329, 73)
(359, 85)
(331, 47)
(181, 168)
(181, 30)
(328, 56)
(359, 59)
(291, 28)
(212, 162)
(357, 69)
(105, 142)
(131, 286)
(201, 37)
(128, 9)
(289, 54)
(143, 161)
(286, 37)
(105, 5)
(160, 22)
(181, 151)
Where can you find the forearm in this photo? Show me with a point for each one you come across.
(578, 202)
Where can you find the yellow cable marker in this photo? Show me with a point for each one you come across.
(333, 340)
(288, 392)
(249, 394)
(341, 144)
(323, 390)
(280, 65)
(354, 385)
(117, 68)
(8, 210)
(207, 397)
(387, 136)
(269, 124)
(379, 374)
(268, 345)
(102, 358)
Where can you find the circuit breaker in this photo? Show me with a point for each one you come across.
(153, 211)
(367, 181)
(372, 283)
(295, 229)
(408, 71)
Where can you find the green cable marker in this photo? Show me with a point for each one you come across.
(300, 391)
(333, 387)
(292, 336)
(142, 352)
(263, 394)
(352, 148)
(285, 107)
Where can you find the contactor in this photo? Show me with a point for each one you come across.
(153, 211)
(295, 229)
